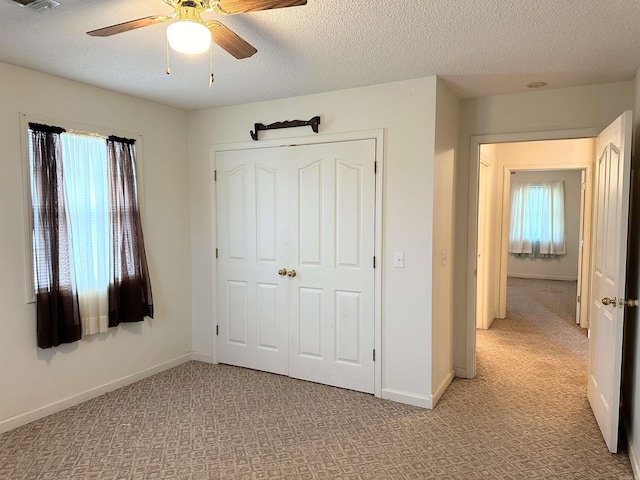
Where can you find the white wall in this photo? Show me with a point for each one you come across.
(631, 351)
(446, 139)
(31, 378)
(537, 111)
(406, 110)
(566, 266)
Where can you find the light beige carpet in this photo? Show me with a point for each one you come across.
(525, 416)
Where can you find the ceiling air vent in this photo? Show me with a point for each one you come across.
(37, 4)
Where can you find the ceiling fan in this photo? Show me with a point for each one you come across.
(191, 34)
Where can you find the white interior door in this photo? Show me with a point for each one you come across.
(481, 307)
(581, 231)
(331, 327)
(608, 270)
(252, 205)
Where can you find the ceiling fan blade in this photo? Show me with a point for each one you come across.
(126, 26)
(230, 7)
(230, 41)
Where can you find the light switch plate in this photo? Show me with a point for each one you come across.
(398, 260)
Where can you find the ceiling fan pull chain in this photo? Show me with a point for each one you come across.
(210, 66)
(168, 67)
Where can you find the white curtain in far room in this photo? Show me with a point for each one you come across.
(537, 221)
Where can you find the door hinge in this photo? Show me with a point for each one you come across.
(581, 243)
(374, 262)
(216, 253)
(217, 329)
(374, 354)
(375, 167)
(583, 186)
(578, 298)
(215, 175)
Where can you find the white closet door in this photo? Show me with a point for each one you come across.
(252, 246)
(331, 249)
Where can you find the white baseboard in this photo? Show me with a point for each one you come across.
(488, 324)
(443, 386)
(202, 357)
(46, 410)
(460, 372)
(407, 398)
(543, 277)
(631, 450)
(633, 458)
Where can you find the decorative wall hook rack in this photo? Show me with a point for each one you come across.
(313, 123)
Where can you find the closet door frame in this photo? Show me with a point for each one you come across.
(378, 136)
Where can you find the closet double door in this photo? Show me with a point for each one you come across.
(295, 228)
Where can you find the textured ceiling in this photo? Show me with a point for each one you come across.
(481, 47)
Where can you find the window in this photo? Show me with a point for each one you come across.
(536, 201)
(89, 263)
(537, 220)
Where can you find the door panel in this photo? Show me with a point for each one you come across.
(236, 313)
(332, 294)
(310, 218)
(613, 163)
(348, 211)
(348, 327)
(267, 311)
(309, 316)
(252, 246)
(236, 224)
(611, 220)
(266, 213)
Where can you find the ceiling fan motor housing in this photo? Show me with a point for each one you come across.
(189, 11)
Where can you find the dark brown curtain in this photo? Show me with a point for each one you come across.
(130, 298)
(58, 312)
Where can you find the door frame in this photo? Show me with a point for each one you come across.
(375, 134)
(476, 141)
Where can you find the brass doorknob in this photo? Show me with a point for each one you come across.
(292, 273)
(282, 272)
(609, 301)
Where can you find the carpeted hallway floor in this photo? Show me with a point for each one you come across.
(525, 416)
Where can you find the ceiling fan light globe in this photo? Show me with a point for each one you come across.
(187, 36)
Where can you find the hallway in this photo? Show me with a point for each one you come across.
(532, 368)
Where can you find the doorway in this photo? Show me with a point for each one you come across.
(503, 166)
(496, 157)
(556, 277)
(606, 294)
